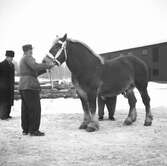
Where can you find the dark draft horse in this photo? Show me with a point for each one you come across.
(93, 77)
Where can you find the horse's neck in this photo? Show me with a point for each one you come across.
(81, 61)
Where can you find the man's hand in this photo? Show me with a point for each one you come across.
(51, 65)
(50, 61)
(47, 60)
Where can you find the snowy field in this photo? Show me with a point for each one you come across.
(66, 145)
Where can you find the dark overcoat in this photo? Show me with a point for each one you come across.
(7, 73)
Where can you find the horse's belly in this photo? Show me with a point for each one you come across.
(114, 87)
(109, 91)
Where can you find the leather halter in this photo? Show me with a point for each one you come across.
(63, 48)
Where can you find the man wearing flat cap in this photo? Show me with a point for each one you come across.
(7, 73)
(30, 92)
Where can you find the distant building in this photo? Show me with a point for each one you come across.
(154, 55)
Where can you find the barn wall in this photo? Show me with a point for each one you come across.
(155, 57)
(163, 62)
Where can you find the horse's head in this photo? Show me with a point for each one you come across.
(58, 50)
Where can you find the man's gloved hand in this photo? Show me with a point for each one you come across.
(51, 65)
(47, 60)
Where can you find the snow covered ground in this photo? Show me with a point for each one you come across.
(66, 145)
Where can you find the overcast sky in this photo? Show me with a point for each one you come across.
(105, 25)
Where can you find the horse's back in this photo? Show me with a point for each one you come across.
(122, 73)
(137, 66)
(116, 77)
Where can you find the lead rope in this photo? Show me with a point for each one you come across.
(54, 59)
(50, 78)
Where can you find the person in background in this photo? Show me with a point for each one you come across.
(110, 103)
(7, 73)
(30, 92)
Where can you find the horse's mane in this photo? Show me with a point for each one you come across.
(90, 50)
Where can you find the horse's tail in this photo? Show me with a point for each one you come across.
(142, 71)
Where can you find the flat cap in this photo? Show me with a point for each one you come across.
(9, 53)
(27, 47)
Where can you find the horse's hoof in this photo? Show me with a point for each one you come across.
(134, 116)
(92, 126)
(90, 129)
(83, 126)
(128, 121)
(148, 123)
(111, 118)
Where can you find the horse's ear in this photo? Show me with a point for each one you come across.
(64, 37)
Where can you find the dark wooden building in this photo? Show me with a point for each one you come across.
(154, 55)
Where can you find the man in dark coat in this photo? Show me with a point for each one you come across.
(29, 89)
(7, 73)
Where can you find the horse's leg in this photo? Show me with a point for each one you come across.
(85, 104)
(132, 111)
(146, 101)
(101, 105)
(93, 125)
(111, 104)
(87, 116)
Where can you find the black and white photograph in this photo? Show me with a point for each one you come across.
(83, 83)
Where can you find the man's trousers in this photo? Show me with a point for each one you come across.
(5, 109)
(30, 110)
